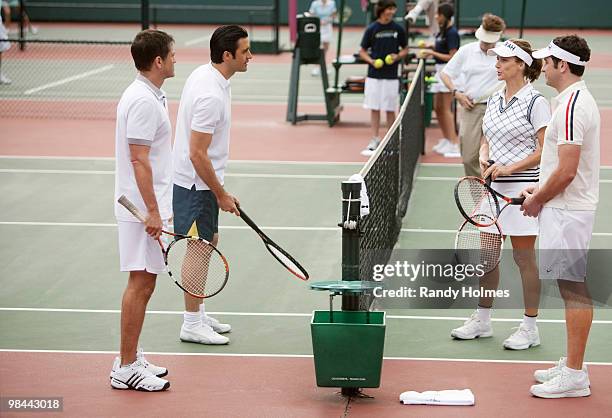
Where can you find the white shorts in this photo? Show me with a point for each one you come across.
(137, 250)
(381, 94)
(4, 46)
(565, 236)
(439, 86)
(511, 221)
(326, 33)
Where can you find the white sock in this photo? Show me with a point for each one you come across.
(202, 310)
(484, 314)
(529, 321)
(191, 320)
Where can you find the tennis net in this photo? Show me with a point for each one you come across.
(388, 175)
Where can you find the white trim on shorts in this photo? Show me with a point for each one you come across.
(137, 250)
(381, 94)
(565, 236)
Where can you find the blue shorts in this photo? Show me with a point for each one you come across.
(199, 206)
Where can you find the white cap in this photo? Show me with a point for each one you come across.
(510, 49)
(487, 36)
(558, 52)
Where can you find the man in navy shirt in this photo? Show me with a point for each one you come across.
(382, 38)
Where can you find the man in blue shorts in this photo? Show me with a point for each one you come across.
(201, 151)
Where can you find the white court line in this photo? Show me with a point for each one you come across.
(112, 172)
(287, 314)
(160, 353)
(199, 40)
(112, 225)
(256, 162)
(427, 178)
(69, 79)
(454, 231)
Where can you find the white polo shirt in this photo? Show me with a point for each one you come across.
(142, 119)
(478, 70)
(575, 121)
(205, 107)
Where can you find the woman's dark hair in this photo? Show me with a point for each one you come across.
(448, 12)
(225, 38)
(532, 72)
(148, 45)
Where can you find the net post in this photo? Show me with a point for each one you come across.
(351, 206)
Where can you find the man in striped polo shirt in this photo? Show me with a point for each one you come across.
(565, 200)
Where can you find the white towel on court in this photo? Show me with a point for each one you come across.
(438, 397)
(364, 210)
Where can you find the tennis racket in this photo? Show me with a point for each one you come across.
(195, 265)
(474, 196)
(479, 245)
(277, 252)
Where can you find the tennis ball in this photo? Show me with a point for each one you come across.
(389, 59)
(421, 43)
(378, 63)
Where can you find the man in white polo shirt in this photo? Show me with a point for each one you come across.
(565, 200)
(476, 70)
(201, 151)
(143, 165)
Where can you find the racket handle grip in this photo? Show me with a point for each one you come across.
(517, 200)
(126, 203)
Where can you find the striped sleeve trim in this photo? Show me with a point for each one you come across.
(569, 116)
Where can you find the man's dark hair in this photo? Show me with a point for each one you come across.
(225, 38)
(383, 5)
(577, 46)
(148, 45)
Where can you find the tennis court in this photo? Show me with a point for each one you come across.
(61, 288)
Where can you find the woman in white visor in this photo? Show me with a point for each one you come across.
(513, 126)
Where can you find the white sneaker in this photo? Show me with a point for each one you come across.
(444, 147)
(33, 30)
(452, 150)
(203, 334)
(217, 326)
(566, 384)
(473, 328)
(4, 79)
(136, 376)
(155, 370)
(523, 338)
(548, 374)
(372, 145)
(441, 144)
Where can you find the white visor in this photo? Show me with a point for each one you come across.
(510, 49)
(558, 52)
(486, 36)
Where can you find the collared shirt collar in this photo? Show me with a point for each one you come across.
(571, 88)
(224, 82)
(523, 91)
(159, 93)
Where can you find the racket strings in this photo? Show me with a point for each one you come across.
(475, 198)
(202, 270)
(475, 246)
(288, 262)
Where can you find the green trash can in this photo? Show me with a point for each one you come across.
(348, 348)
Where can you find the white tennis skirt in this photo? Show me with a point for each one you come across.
(511, 221)
(439, 86)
